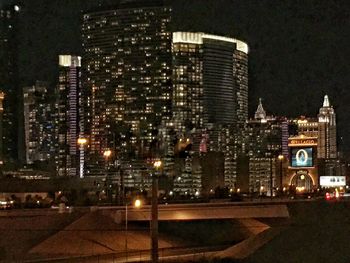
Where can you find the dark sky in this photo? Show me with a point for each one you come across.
(299, 49)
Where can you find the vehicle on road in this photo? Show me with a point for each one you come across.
(6, 204)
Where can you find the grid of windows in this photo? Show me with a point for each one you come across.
(127, 64)
(210, 97)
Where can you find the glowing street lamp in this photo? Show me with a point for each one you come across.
(107, 154)
(281, 158)
(137, 203)
(154, 216)
(157, 164)
(82, 142)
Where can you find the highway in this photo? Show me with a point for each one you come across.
(161, 207)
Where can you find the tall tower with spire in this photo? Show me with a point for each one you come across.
(327, 135)
(260, 113)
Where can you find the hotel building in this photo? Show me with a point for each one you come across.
(9, 80)
(210, 104)
(127, 69)
(38, 123)
(69, 117)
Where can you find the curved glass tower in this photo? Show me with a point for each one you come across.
(210, 94)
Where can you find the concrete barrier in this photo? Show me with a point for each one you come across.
(203, 213)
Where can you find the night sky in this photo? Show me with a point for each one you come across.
(299, 49)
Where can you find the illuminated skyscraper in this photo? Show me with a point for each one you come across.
(69, 120)
(2, 96)
(9, 79)
(327, 131)
(127, 69)
(210, 96)
(38, 123)
(264, 142)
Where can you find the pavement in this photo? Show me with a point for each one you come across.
(96, 234)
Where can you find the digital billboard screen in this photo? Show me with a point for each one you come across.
(332, 181)
(302, 157)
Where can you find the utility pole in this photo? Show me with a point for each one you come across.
(280, 158)
(154, 215)
(271, 183)
(154, 221)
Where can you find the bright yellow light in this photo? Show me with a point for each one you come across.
(302, 177)
(107, 153)
(137, 203)
(82, 141)
(157, 164)
(302, 121)
(280, 157)
(238, 190)
(300, 188)
(337, 195)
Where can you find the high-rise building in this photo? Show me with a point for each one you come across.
(210, 97)
(127, 69)
(38, 123)
(2, 97)
(264, 142)
(327, 131)
(9, 79)
(69, 116)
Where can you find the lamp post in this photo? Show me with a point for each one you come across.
(106, 154)
(137, 204)
(271, 182)
(154, 215)
(81, 141)
(280, 158)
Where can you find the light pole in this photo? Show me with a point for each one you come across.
(137, 204)
(280, 158)
(154, 215)
(106, 154)
(81, 141)
(271, 183)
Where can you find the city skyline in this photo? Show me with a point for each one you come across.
(147, 130)
(127, 94)
(269, 53)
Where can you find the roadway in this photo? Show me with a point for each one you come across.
(162, 207)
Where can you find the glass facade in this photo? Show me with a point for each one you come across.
(38, 123)
(210, 100)
(127, 69)
(68, 117)
(9, 80)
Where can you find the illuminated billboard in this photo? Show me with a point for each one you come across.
(302, 157)
(332, 181)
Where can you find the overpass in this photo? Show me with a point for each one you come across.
(208, 211)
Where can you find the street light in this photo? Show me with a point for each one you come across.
(137, 204)
(154, 216)
(280, 158)
(106, 154)
(81, 141)
(157, 164)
